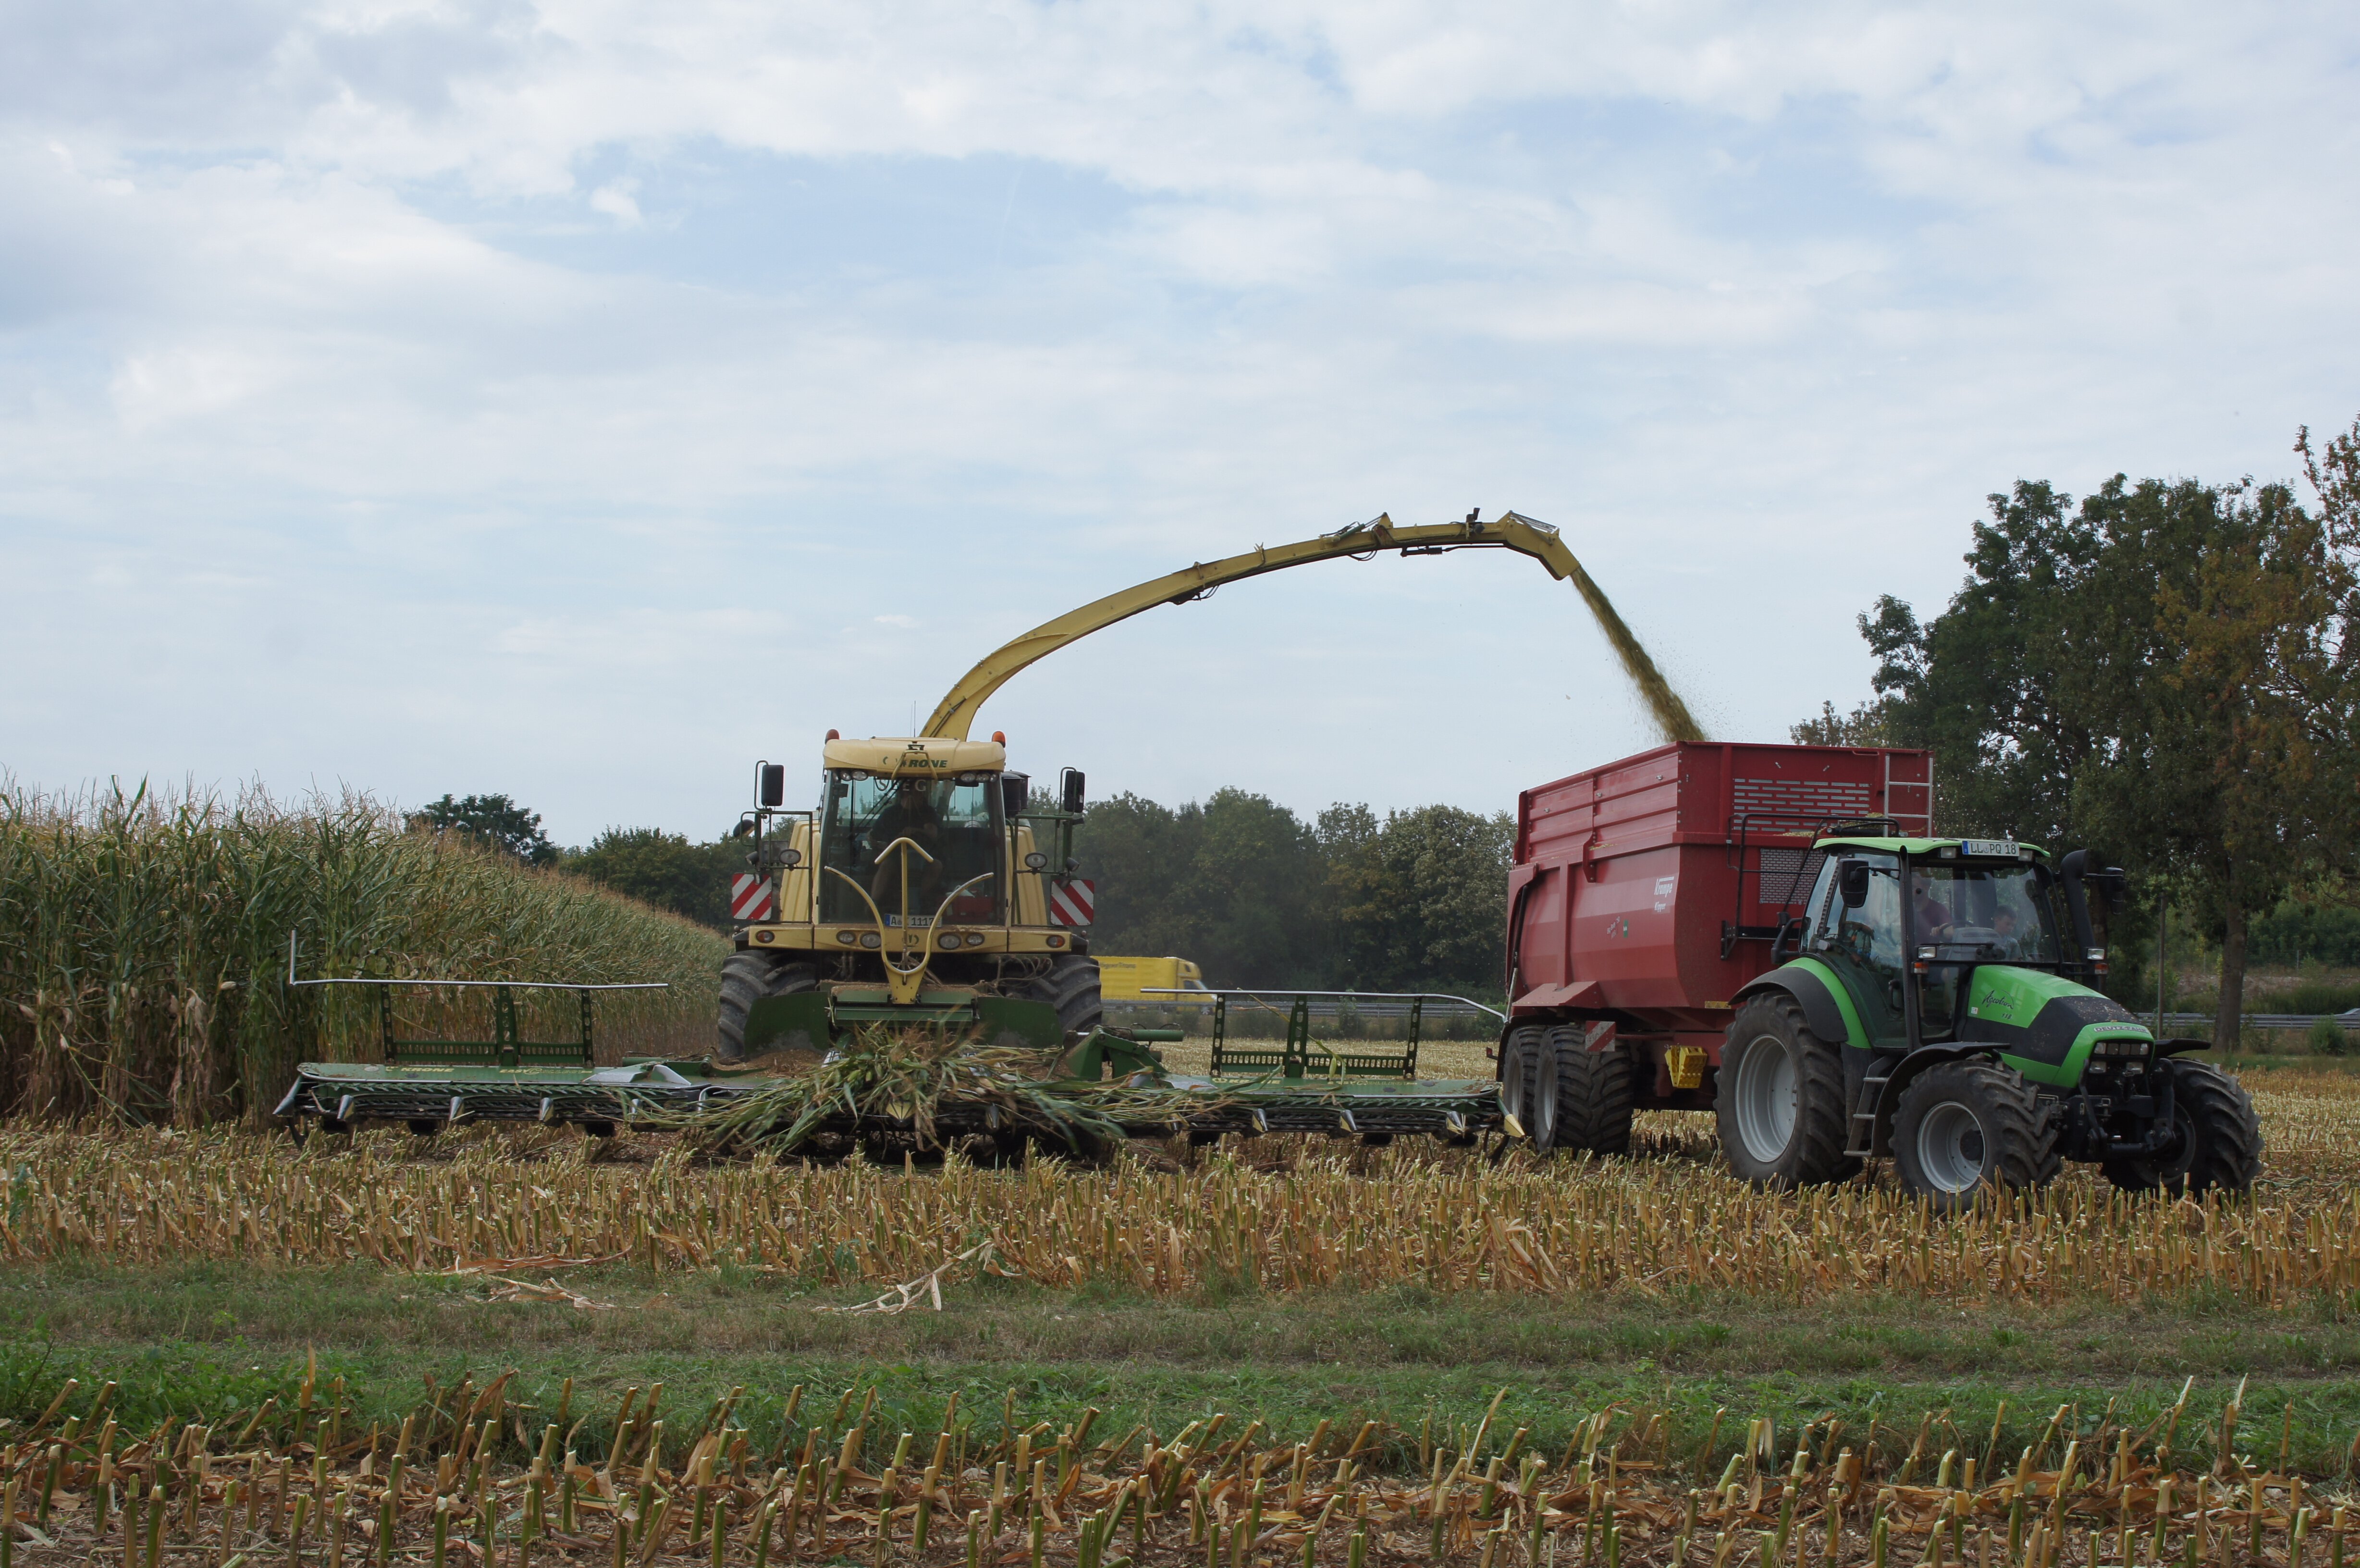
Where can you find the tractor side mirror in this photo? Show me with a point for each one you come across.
(1015, 794)
(1072, 783)
(774, 783)
(1853, 884)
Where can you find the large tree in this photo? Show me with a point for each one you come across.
(493, 819)
(2165, 671)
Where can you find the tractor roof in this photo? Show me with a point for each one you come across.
(1916, 845)
(928, 757)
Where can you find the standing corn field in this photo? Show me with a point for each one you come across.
(143, 939)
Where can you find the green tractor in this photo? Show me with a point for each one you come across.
(1933, 1004)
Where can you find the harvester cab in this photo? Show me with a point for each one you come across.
(918, 890)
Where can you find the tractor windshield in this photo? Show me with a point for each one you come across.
(908, 843)
(1989, 913)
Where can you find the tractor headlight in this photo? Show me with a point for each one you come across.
(2120, 1048)
(1035, 861)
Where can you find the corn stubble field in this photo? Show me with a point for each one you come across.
(471, 1475)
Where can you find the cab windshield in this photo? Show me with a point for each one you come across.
(944, 833)
(1995, 913)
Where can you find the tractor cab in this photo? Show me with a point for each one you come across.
(1908, 923)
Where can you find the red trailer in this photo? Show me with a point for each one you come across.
(1647, 892)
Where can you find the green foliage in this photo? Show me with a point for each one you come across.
(665, 869)
(2168, 671)
(2327, 1038)
(495, 820)
(1869, 724)
(2297, 932)
(1259, 898)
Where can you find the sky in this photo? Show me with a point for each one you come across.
(584, 400)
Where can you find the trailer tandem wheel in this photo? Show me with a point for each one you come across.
(1521, 1055)
(1780, 1098)
(1589, 1094)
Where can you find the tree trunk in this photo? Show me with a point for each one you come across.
(2228, 1013)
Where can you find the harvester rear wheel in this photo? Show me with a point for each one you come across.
(748, 978)
(1967, 1126)
(1070, 985)
(2220, 1138)
(1519, 1060)
(1588, 1093)
(1780, 1098)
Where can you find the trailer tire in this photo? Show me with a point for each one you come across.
(748, 978)
(1779, 1098)
(1967, 1127)
(1588, 1095)
(2220, 1138)
(1521, 1054)
(1070, 985)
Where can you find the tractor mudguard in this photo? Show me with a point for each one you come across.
(1824, 1007)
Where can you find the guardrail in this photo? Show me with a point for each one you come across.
(2350, 1020)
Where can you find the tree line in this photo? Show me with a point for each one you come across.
(2166, 672)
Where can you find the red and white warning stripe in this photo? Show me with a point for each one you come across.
(1073, 903)
(750, 897)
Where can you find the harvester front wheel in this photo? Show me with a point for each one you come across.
(748, 978)
(1588, 1095)
(1966, 1125)
(1780, 1098)
(2220, 1138)
(1070, 985)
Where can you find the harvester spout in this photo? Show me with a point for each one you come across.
(956, 713)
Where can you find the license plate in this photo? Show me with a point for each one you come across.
(1988, 848)
(915, 922)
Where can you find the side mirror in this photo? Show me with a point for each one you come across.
(1852, 884)
(1072, 783)
(1015, 794)
(773, 783)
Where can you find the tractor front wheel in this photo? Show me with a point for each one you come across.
(1966, 1125)
(748, 978)
(1780, 1098)
(1581, 1097)
(2220, 1138)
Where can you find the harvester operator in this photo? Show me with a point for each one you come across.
(910, 814)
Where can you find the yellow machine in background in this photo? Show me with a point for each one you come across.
(1130, 979)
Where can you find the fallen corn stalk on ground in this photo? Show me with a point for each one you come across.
(450, 1489)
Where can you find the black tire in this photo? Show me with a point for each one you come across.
(2220, 1138)
(1587, 1095)
(748, 978)
(1966, 1127)
(1070, 985)
(1520, 1057)
(1779, 1098)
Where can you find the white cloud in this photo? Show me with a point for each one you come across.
(616, 359)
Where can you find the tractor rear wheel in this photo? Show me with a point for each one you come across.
(1780, 1098)
(1521, 1055)
(2220, 1138)
(1966, 1125)
(1070, 985)
(1587, 1095)
(750, 977)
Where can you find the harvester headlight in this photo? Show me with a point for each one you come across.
(1035, 861)
(847, 938)
(870, 939)
(950, 939)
